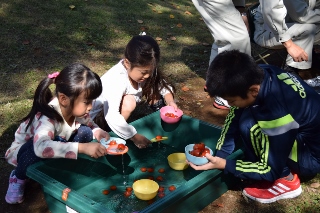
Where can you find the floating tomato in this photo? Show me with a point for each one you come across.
(143, 169)
(161, 170)
(161, 195)
(129, 189)
(113, 187)
(151, 178)
(172, 188)
(159, 178)
(161, 189)
(105, 192)
(150, 170)
(158, 137)
(127, 193)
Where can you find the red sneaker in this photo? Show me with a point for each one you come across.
(280, 189)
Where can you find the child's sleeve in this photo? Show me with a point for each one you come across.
(229, 134)
(165, 91)
(44, 144)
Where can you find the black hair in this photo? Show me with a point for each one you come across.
(71, 81)
(232, 73)
(143, 50)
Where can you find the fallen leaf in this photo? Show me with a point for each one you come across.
(26, 42)
(140, 21)
(179, 25)
(159, 12)
(72, 6)
(183, 98)
(220, 205)
(315, 185)
(171, 16)
(188, 13)
(158, 39)
(172, 38)
(154, 10)
(185, 88)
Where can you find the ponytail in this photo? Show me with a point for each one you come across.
(41, 99)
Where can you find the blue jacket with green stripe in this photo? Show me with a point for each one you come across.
(287, 116)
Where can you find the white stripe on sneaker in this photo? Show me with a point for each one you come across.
(283, 186)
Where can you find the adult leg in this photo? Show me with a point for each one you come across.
(225, 25)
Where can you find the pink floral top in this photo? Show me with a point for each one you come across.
(43, 130)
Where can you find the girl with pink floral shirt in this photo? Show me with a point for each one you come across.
(56, 127)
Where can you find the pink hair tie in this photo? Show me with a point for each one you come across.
(53, 75)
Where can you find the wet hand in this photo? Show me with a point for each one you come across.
(93, 149)
(100, 133)
(140, 141)
(214, 163)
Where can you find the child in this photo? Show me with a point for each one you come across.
(277, 116)
(58, 127)
(124, 85)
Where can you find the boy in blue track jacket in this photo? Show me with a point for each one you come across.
(278, 118)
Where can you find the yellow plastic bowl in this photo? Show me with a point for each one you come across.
(177, 161)
(145, 189)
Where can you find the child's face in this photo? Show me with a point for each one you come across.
(140, 74)
(237, 101)
(82, 106)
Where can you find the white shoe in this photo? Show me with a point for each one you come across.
(220, 103)
(313, 82)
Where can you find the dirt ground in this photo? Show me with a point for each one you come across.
(195, 103)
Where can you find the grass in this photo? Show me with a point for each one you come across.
(41, 37)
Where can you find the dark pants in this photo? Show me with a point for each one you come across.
(27, 157)
(306, 165)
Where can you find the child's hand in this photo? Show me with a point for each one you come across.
(214, 163)
(140, 141)
(173, 104)
(100, 133)
(94, 150)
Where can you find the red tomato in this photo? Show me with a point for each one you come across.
(197, 152)
(151, 178)
(113, 187)
(196, 146)
(172, 188)
(127, 193)
(158, 137)
(150, 170)
(150, 201)
(105, 192)
(201, 146)
(113, 142)
(161, 170)
(143, 169)
(121, 146)
(129, 189)
(161, 195)
(159, 178)
(161, 189)
(206, 150)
